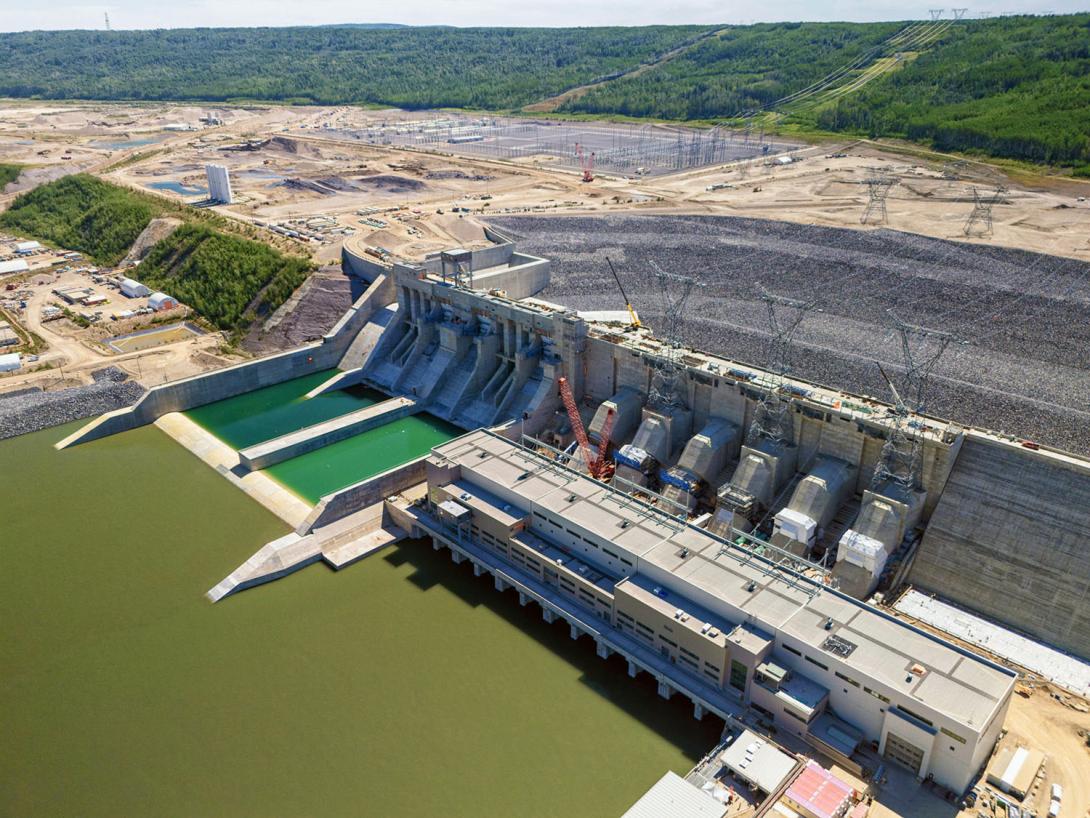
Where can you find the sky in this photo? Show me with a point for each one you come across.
(20, 15)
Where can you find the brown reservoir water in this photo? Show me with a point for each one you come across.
(402, 686)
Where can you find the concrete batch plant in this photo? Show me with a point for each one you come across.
(698, 565)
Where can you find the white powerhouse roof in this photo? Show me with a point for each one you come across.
(959, 684)
(673, 797)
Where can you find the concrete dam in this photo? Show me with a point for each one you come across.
(989, 522)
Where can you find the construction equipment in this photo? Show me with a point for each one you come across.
(597, 465)
(586, 162)
(605, 467)
(628, 304)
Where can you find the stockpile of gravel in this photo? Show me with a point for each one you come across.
(24, 412)
(1024, 368)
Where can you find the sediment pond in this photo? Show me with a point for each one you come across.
(402, 686)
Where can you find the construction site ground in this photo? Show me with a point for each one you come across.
(1023, 370)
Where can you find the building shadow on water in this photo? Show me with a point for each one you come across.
(638, 698)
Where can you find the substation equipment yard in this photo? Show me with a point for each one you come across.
(719, 523)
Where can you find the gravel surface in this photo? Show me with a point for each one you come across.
(24, 412)
(1024, 365)
(325, 299)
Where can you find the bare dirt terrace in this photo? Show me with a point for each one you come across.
(1025, 366)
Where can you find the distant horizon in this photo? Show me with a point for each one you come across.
(137, 15)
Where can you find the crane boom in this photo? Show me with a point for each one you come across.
(627, 303)
(576, 422)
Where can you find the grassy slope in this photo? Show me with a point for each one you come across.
(228, 279)
(8, 174)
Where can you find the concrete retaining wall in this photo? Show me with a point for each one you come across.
(358, 497)
(362, 266)
(189, 393)
(1008, 539)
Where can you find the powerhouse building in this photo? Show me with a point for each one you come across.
(718, 622)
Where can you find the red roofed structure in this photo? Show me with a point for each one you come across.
(817, 793)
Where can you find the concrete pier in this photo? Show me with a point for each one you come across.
(664, 689)
(311, 438)
(574, 632)
(633, 669)
(339, 545)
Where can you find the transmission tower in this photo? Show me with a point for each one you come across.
(901, 457)
(878, 185)
(979, 222)
(674, 293)
(959, 13)
(771, 418)
(107, 15)
(936, 14)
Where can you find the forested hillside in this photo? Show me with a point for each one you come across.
(1014, 87)
(406, 67)
(220, 275)
(740, 69)
(81, 213)
(228, 279)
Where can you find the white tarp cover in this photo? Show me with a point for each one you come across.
(862, 551)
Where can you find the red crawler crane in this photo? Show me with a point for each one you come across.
(597, 465)
(586, 162)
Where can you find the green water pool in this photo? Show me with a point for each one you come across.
(276, 410)
(341, 464)
(403, 686)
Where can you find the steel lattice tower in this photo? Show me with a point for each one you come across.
(902, 454)
(771, 417)
(878, 185)
(979, 222)
(674, 293)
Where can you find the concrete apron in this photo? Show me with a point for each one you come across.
(217, 454)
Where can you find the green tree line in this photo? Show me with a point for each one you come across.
(408, 67)
(80, 212)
